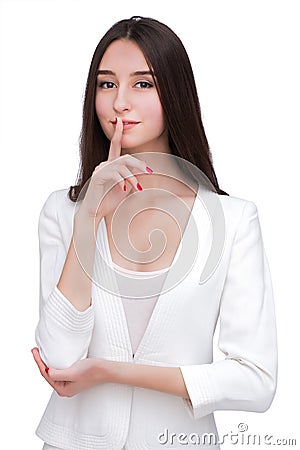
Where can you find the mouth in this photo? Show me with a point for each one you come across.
(127, 124)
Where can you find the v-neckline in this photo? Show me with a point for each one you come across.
(177, 250)
(161, 294)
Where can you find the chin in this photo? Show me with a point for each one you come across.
(132, 146)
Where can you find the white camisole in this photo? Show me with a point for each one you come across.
(138, 310)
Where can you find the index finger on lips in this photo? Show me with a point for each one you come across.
(115, 144)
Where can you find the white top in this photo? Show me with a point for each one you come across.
(139, 310)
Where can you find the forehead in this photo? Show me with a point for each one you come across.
(123, 55)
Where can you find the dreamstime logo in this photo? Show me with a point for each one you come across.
(129, 209)
(240, 437)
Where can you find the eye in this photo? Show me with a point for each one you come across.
(144, 85)
(106, 85)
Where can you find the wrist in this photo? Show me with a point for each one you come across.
(84, 215)
(100, 370)
(116, 371)
(91, 205)
(83, 220)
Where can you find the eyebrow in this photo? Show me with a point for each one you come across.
(133, 74)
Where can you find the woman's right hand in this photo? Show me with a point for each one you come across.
(108, 187)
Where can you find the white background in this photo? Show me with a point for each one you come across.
(245, 56)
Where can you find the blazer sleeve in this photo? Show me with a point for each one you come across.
(63, 333)
(246, 379)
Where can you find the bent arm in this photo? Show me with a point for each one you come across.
(246, 379)
(163, 379)
(64, 329)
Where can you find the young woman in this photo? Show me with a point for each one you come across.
(141, 258)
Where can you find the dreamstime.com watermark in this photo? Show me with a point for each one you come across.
(239, 437)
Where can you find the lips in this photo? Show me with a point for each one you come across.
(126, 122)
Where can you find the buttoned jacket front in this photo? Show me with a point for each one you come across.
(234, 287)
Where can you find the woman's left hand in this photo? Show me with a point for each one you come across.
(80, 376)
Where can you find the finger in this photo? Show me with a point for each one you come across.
(137, 171)
(115, 144)
(119, 180)
(140, 166)
(123, 174)
(36, 354)
(41, 365)
(129, 178)
(137, 167)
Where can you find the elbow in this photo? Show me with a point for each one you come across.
(260, 386)
(61, 353)
(264, 394)
(63, 334)
(57, 359)
(269, 394)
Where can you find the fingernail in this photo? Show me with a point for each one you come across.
(46, 369)
(149, 170)
(124, 187)
(139, 187)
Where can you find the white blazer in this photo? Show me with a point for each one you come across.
(225, 278)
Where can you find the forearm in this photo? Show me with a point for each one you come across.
(75, 281)
(163, 379)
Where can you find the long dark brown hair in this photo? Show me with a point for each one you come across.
(167, 58)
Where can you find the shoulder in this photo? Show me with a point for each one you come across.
(57, 214)
(58, 208)
(230, 210)
(58, 201)
(236, 205)
(240, 216)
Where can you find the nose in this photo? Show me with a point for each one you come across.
(122, 100)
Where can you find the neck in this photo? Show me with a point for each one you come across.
(167, 172)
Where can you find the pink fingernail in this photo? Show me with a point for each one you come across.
(139, 187)
(149, 170)
(46, 369)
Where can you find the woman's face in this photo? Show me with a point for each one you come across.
(125, 89)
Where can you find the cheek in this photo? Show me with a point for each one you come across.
(155, 112)
(101, 107)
